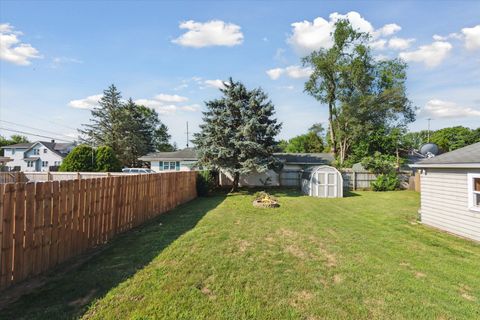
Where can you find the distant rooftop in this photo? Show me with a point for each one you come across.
(305, 158)
(291, 158)
(184, 154)
(468, 156)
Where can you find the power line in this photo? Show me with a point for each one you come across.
(25, 126)
(59, 124)
(33, 134)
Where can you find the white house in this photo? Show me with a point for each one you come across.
(181, 160)
(289, 175)
(450, 191)
(36, 156)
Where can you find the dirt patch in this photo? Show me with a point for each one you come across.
(466, 294)
(206, 291)
(287, 233)
(296, 251)
(338, 278)
(420, 275)
(300, 298)
(404, 264)
(243, 245)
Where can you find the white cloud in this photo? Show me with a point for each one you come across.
(446, 109)
(275, 73)
(431, 55)
(170, 98)
(150, 103)
(86, 103)
(191, 107)
(211, 33)
(295, 72)
(58, 61)
(399, 43)
(472, 37)
(217, 83)
(378, 44)
(388, 30)
(12, 49)
(308, 36)
(165, 109)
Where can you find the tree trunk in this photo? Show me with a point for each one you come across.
(332, 131)
(236, 179)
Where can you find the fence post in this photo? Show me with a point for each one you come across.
(78, 176)
(49, 176)
(354, 180)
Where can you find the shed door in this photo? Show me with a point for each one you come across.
(324, 185)
(331, 185)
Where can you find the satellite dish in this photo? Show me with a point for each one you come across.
(429, 150)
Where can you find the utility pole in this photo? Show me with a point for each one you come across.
(428, 130)
(187, 134)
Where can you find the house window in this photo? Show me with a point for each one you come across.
(57, 163)
(45, 150)
(170, 165)
(44, 163)
(30, 164)
(474, 191)
(36, 152)
(13, 151)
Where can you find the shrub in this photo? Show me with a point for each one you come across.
(380, 163)
(205, 183)
(81, 158)
(262, 195)
(386, 182)
(106, 160)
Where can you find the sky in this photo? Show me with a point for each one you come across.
(57, 57)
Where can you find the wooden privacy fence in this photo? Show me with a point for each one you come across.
(45, 223)
(10, 177)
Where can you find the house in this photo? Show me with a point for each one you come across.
(289, 175)
(36, 156)
(181, 160)
(450, 191)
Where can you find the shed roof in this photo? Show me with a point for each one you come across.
(466, 157)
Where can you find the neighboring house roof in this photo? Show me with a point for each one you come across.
(19, 146)
(291, 158)
(305, 158)
(5, 159)
(466, 157)
(60, 149)
(181, 155)
(31, 158)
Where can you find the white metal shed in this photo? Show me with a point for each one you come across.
(323, 182)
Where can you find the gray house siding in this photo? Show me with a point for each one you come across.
(444, 202)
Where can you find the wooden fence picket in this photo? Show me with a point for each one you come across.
(43, 224)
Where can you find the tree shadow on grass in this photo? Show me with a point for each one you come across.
(68, 294)
(348, 193)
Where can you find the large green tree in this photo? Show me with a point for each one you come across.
(131, 130)
(305, 143)
(238, 132)
(362, 94)
(449, 139)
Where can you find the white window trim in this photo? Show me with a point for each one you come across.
(471, 192)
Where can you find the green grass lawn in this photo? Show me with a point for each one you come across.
(359, 257)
